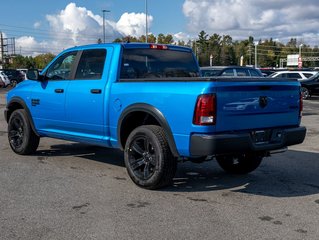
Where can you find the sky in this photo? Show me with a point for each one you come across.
(51, 26)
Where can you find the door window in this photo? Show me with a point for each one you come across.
(228, 72)
(91, 64)
(242, 72)
(62, 67)
(294, 75)
(254, 73)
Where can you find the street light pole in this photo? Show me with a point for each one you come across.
(146, 25)
(104, 11)
(300, 59)
(300, 50)
(256, 55)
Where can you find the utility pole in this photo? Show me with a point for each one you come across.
(104, 11)
(146, 25)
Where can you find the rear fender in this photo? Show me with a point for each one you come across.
(156, 114)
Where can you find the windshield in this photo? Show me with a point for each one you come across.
(154, 63)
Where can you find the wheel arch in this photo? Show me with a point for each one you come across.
(143, 114)
(18, 103)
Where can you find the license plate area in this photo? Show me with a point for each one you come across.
(261, 136)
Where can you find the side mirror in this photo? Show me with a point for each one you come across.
(33, 74)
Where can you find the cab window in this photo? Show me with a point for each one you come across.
(91, 64)
(62, 67)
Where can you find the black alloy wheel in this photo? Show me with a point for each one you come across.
(142, 157)
(305, 93)
(148, 158)
(22, 138)
(16, 132)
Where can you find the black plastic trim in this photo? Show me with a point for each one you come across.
(154, 112)
(206, 145)
(25, 107)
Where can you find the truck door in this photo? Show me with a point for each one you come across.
(48, 95)
(87, 95)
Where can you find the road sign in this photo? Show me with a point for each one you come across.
(292, 60)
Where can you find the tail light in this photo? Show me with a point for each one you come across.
(205, 110)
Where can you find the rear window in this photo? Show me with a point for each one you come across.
(154, 63)
(308, 75)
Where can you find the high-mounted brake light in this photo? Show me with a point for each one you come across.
(205, 110)
(159, 47)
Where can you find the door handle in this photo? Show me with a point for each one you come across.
(96, 91)
(59, 90)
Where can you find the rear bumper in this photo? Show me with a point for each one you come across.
(205, 145)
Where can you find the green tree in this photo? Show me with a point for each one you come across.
(151, 38)
(43, 60)
(202, 48)
(214, 49)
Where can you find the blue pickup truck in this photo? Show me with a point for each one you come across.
(150, 101)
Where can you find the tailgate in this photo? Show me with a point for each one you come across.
(256, 104)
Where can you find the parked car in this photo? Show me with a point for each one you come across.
(4, 79)
(15, 76)
(267, 71)
(310, 86)
(293, 74)
(230, 71)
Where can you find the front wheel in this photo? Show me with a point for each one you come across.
(22, 138)
(239, 164)
(148, 158)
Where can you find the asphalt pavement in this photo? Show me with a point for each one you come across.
(75, 191)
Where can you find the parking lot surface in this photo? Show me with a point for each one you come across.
(75, 191)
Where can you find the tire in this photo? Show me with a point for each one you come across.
(305, 93)
(240, 164)
(148, 158)
(22, 138)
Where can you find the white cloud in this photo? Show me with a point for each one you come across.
(257, 18)
(181, 36)
(133, 24)
(28, 46)
(37, 24)
(76, 25)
